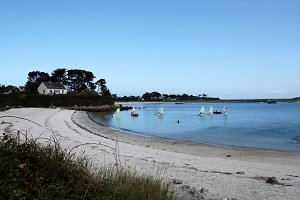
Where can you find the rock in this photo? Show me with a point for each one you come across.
(272, 180)
(177, 181)
(203, 190)
(187, 187)
(240, 172)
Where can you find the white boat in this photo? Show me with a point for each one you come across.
(160, 111)
(202, 110)
(211, 110)
(134, 113)
(224, 112)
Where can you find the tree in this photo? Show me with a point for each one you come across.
(79, 80)
(155, 95)
(152, 96)
(102, 89)
(146, 96)
(88, 79)
(34, 79)
(184, 96)
(8, 89)
(59, 75)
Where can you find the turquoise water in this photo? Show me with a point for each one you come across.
(254, 125)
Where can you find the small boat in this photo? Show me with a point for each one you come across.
(224, 112)
(117, 113)
(160, 111)
(134, 113)
(202, 111)
(217, 112)
(178, 103)
(211, 111)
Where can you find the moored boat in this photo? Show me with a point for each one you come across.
(134, 113)
(224, 112)
(160, 111)
(202, 111)
(211, 111)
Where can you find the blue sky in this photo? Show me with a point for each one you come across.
(224, 48)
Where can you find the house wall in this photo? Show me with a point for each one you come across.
(60, 91)
(42, 89)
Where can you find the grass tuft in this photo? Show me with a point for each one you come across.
(29, 170)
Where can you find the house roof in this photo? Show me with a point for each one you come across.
(54, 85)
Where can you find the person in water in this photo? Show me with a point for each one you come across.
(178, 121)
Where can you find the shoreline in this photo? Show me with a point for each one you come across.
(83, 119)
(206, 169)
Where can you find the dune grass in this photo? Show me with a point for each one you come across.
(29, 170)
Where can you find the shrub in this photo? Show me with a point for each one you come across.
(55, 100)
(31, 171)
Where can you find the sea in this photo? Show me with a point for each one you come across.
(246, 125)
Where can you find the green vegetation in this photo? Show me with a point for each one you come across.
(83, 91)
(31, 171)
(156, 96)
(76, 80)
(55, 100)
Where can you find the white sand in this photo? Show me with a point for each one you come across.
(199, 166)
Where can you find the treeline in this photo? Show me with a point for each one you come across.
(54, 100)
(75, 80)
(156, 96)
(8, 89)
(83, 90)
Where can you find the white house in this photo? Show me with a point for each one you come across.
(50, 88)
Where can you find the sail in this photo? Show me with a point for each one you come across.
(133, 109)
(211, 110)
(225, 110)
(202, 110)
(161, 110)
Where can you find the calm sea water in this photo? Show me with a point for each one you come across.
(254, 125)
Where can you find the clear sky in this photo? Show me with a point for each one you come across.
(223, 48)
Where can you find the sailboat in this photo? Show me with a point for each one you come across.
(202, 110)
(211, 111)
(134, 113)
(224, 112)
(117, 113)
(160, 111)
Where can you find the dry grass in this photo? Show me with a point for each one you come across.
(29, 170)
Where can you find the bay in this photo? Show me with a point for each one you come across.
(249, 125)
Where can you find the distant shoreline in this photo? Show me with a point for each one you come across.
(287, 100)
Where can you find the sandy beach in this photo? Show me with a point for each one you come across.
(218, 172)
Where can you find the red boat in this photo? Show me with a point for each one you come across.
(134, 114)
